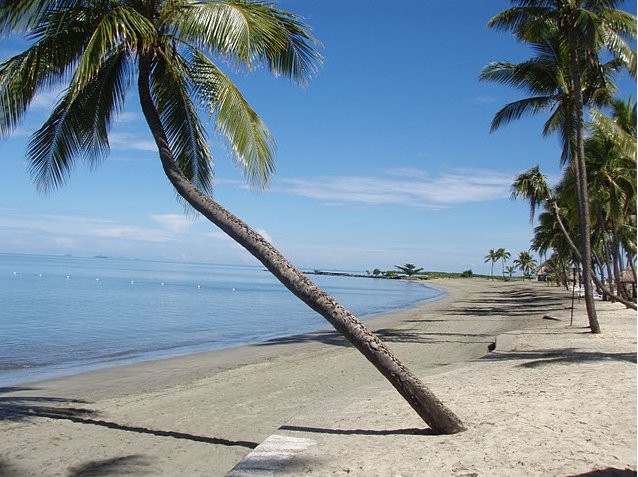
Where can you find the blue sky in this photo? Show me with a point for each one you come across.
(385, 158)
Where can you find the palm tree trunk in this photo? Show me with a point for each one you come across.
(581, 183)
(422, 400)
(572, 246)
(616, 257)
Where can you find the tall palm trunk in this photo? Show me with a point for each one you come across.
(581, 182)
(617, 257)
(422, 400)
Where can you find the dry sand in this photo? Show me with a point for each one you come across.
(551, 400)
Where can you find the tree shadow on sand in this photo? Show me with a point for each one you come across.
(546, 357)
(126, 465)
(512, 303)
(608, 472)
(362, 432)
(388, 335)
(15, 408)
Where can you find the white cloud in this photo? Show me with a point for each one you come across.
(406, 187)
(265, 235)
(128, 141)
(127, 117)
(46, 99)
(65, 242)
(142, 234)
(175, 223)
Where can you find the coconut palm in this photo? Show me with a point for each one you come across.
(503, 256)
(492, 256)
(510, 269)
(584, 27)
(532, 185)
(525, 263)
(409, 269)
(166, 48)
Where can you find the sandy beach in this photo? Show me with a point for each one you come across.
(550, 400)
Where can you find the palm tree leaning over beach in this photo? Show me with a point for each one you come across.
(99, 47)
(584, 27)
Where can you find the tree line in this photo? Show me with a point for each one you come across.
(579, 47)
(524, 262)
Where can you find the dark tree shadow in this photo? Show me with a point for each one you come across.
(324, 336)
(386, 334)
(15, 408)
(547, 357)
(126, 465)
(608, 472)
(9, 470)
(362, 432)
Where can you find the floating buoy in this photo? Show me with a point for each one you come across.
(132, 281)
(233, 289)
(39, 274)
(199, 286)
(162, 283)
(67, 277)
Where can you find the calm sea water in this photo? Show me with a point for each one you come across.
(65, 315)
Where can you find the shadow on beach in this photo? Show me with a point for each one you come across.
(15, 408)
(609, 472)
(546, 357)
(511, 303)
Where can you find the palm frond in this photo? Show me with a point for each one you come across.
(248, 33)
(531, 185)
(518, 109)
(122, 26)
(612, 131)
(44, 64)
(180, 119)
(248, 136)
(78, 126)
(23, 15)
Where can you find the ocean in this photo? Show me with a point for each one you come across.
(63, 315)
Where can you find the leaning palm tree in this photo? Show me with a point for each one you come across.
(166, 46)
(584, 28)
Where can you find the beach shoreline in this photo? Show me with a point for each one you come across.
(201, 414)
(131, 358)
(121, 379)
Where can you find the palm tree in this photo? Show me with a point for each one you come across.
(510, 269)
(525, 263)
(532, 185)
(409, 269)
(584, 27)
(166, 47)
(503, 256)
(492, 256)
